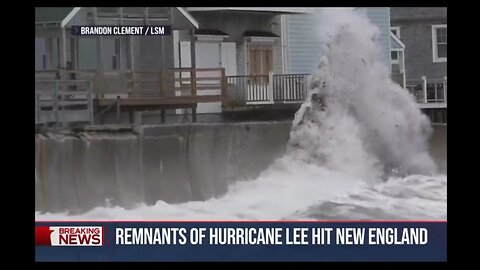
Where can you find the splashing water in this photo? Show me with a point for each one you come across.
(358, 149)
(356, 119)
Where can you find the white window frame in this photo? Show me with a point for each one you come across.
(398, 56)
(437, 59)
(397, 29)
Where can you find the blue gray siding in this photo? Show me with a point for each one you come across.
(381, 18)
(305, 46)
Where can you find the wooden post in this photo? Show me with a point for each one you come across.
(192, 48)
(118, 109)
(424, 86)
(162, 115)
(193, 82)
(445, 88)
(130, 51)
(404, 72)
(270, 87)
(122, 40)
(90, 102)
(37, 108)
(223, 85)
(131, 116)
(99, 84)
(63, 49)
(162, 83)
(55, 103)
(194, 113)
(133, 94)
(162, 57)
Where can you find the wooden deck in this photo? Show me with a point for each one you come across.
(138, 90)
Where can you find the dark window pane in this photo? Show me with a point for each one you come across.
(441, 35)
(442, 50)
(394, 55)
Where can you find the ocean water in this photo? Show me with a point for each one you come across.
(358, 149)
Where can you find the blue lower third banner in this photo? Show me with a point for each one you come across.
(313, 241)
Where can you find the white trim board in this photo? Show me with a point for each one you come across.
(397, 40)
(396, 28)
(188, 16)
(261, 39)
(69, 16)
(212, 38)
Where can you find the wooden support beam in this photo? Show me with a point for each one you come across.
(162, 115)
(63, 49)
(193, 82)
(118, 109)
(194, 114)
(192, 49)
(55, 104)
(90, 102)
(162, 83)
(223, 84)
(131, 116)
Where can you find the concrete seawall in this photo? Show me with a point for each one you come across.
(79, 170)
(174, 163)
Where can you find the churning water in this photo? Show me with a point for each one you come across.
(358, 149)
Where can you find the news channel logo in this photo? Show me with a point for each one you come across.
(69, 236)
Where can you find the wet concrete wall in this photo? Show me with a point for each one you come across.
(80, 170)
(175, 163)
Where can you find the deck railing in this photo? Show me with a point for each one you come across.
(62, 90)
(248, 89)
(290, 87)
(62, 101)
(267, 89)
(147, 83)
(179, 87)
(429, 90)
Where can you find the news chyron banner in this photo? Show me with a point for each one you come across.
(253, 241)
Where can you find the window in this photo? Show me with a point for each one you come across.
(395, 30)
(394, 57)
(394, 54)
(439, 42)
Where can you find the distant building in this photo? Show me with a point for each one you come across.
(423, 33)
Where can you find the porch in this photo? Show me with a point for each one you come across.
(86, 96)
(430, 93)
(63, 96)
